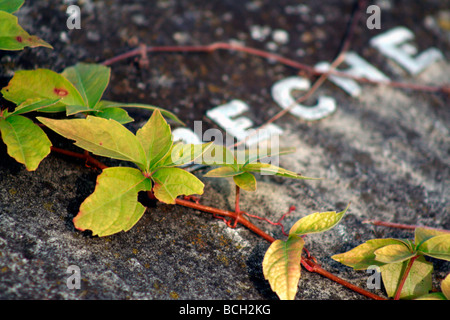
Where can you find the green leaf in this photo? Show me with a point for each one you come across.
(173, 182)
(281, 266)
(423, 234)
(156, 139)
(445, 286)
(25, 141)
(393, 253)
(74, 109)
(437, 247)
(11, 6)
(117, 114)
(14, 37)
(223, 172)
(317, 222)
(269, 169)
(181, 154)
(167, 114)
(113, 206)
(418, 282)
(103, 137)
(363, 256)
(91, 81)
(42, 84)
(245, 181)
(31, 105)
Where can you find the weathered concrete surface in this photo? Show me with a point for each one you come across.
(386, 151)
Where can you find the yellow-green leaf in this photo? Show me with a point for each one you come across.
(35, 104)
(418, 282)
(363, 256)
(317, 222)
(14, 37)
(422, 234)
(281, 266)
(113, 206)
(156, 138)
(173, 182)
(25, 141)
(103, 137)
(245, 181)
(393, 253)
(42, 84)
(437, 247)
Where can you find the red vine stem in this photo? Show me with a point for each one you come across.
(84, 156)
(270, 56)
(306, 262)
(405, 275)
(400, 225)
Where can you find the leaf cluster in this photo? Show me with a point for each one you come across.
(281, 264)
(393, 256)
(113, 206)
(77, 90)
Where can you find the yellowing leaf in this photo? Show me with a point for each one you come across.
(393, 253)
(423, 234)
(173, 182)
(317, 222)
(103, 137)
(113, 206)
(25, 141)
(437, 247)
(363, 256)
(13, 36)
(43, 84)
(156, 139)
(281, 266)
(418, 282)
(245, 181)
(35, 104)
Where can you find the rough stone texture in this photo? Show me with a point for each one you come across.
(386, 151)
